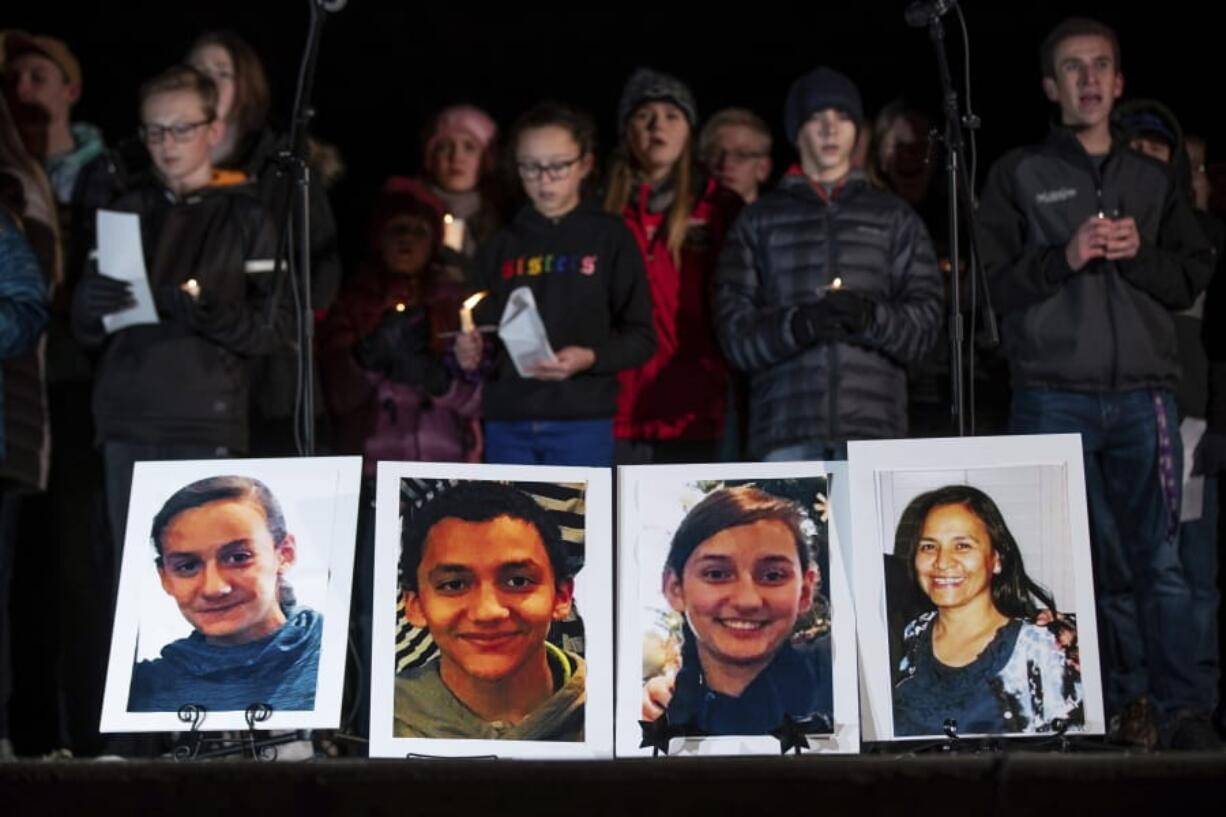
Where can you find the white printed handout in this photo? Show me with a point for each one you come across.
(523, 332)
(120, 255)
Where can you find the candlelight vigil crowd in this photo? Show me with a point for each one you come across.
(693, 301)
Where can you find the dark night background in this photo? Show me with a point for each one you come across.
(385, 66)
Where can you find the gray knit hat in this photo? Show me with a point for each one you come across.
(646, 85)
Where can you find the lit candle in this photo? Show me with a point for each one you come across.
(400, 307)
(466, 312)
(453, 232)
(837, 283)
(192, 287)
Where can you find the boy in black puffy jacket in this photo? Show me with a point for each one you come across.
(825, 289)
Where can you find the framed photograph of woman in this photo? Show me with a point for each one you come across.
(735, 621)
(493, 624)
(234, 591)
(974, 591)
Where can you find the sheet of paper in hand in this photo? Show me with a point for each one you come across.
(523, 332)
(120, 255)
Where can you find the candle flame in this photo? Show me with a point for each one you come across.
(400, 307)
(837, 283)
(474, 299)
(448, 218)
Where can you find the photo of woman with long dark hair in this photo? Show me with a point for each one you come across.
(993, 654)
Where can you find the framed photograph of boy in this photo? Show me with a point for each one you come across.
(735, 617)
(234, 591)
(974, 591)
(493, 623)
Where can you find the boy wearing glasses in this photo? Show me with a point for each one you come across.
(735, 145)
(178, 389)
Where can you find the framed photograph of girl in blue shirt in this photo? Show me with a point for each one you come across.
(735, 617)
(973, 587)
(234, 591)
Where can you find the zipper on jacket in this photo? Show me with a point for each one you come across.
(1097, 175)
(833, 348)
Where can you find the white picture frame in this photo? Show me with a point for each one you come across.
(593, 598)
(650, 507)
(319, 499)
(1038, 484)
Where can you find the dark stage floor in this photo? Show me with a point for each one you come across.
(1009, 783)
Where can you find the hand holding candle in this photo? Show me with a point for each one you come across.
(466, 312)
(453, 232)
(468, 343)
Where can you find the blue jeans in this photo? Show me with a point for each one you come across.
(549, 442)
(812, 450)
(1144, 605)
(1198, 552)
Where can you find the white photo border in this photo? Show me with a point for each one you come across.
(870, 458)
(335, 478)
(593, 595)
(846, 737)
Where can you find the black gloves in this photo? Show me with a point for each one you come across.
(396, 334)
(837, 316)
(399, 347)
(174, 304)
(99, 295)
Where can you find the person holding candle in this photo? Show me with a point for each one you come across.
(459, 161)
(825, 289)
(587, 278)
(671, 408)
(382, 351)
(178, 389)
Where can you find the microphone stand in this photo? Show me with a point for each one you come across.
(293, 261)
(958, 188)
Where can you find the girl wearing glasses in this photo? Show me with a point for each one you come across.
(671, 408)
(586, 276)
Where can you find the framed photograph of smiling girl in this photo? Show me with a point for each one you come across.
(234, 591)
(493, 623)
(974, 592)
(735, 619)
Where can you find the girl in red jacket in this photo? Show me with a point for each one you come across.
(670, 409)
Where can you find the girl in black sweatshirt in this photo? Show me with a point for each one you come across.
(586, 275)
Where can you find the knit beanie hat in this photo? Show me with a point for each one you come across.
(646, 85)
(1149, 123)
(817, 90)
(467, 118)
